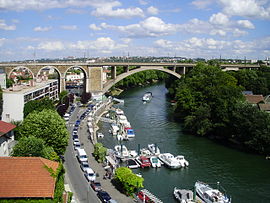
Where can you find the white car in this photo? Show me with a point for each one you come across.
(76, 144)
(90, 175)
(84, 166)
(66, 116)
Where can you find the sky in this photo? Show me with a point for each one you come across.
(34, 29)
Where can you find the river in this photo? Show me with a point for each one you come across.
(246, 177)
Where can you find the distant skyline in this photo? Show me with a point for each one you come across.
(103, 28)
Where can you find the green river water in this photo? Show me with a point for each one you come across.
(246, 177)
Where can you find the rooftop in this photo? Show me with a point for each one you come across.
(254, 99)
(22, 89)
(6, 127)
(26, 177)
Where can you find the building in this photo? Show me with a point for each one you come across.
(27, 177)
(2, 78)
(6, 138)
(15, 97)
(254, 99)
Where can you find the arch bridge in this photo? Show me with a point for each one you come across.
(96, 80)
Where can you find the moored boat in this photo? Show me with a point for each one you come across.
(183, 196)
(169, 160)
(155, 162)
(114, 129)
(181, 159)
(131, 163)
(143, 161)
(147, 97)
(210, 195)
(121, 151)
(153, 148)
(130, 132)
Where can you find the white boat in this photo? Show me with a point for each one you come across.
(129, 133)
(119, 137)
(131, 163)
(121, 151)
(169, 160)
(155, 162)
(183, 196)
(210, 195)
(114, 129)
(182, 160)
(100, 135)
(145, 152)
(133, 153)
(147, 97)
(153, 148)
(119, 111)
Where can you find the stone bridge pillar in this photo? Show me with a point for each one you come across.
(126, 69)
(62, 83)
(95, 79)
(113, 72)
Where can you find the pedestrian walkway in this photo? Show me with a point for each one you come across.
(98, 168)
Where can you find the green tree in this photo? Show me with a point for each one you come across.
(86, 96)
(38, 105)
(47, 125)
(33, 146)
(100, 152)
(129, 181)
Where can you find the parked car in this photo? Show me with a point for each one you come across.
(103, 196)
(66, 116)
(76, 144)
(84, 165)
(81, 155)
(96, 186)
(75, 138)
(90, 175)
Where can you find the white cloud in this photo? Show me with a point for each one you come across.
(201, 4)
(126, 40)
(107, 10)
(42, 29)
(4, 26)
(51, 46)
(2, 41)
(245, 24)
(219, 19)
(247, 8)
(69, 27)
(152, 10)
(163, 43)
(142, 2)
(94, 27)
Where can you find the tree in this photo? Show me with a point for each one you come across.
(33, 146)
(47, 125)
(38, 105)
(130, 181)
(100, 152)
(86, 96)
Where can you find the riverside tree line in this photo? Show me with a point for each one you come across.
(210, 103)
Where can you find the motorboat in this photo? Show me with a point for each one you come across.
(147, 97)
(133, 153)
(145, 152)
(114, 129)
(121, 151)
(155, 162)
(130, 133)
(119, 111)
(143, 161)
(100, 135)
(153, 148)
(169, 160)
(210, 195)
(131, 163)
(183, 196)
(119, 137)
(182, 160)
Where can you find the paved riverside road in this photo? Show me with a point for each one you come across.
(82, 191)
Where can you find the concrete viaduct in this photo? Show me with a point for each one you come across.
(94, 71)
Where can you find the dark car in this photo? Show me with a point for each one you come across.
(103, 196)
(96, 186)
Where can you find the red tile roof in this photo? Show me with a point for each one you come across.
(254, 99)
(26, 177)
(6, 127)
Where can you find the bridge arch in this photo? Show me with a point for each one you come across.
(55, 68)
(120, 77)
(18, 67)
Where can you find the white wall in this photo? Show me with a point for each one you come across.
(13, 105)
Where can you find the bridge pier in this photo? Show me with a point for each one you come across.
(126, 69)
(113, 72)
(62, 84)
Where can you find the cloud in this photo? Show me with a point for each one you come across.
(4, 26)
(94, 27)
(150, 27)
(2, 41)
(69, 27)
(201, 4)
(51, 46)
(247, 8)
(152, 10)
(108, 11)
(219, 19)
(42, 29)
(245, 24)
(142, 2)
